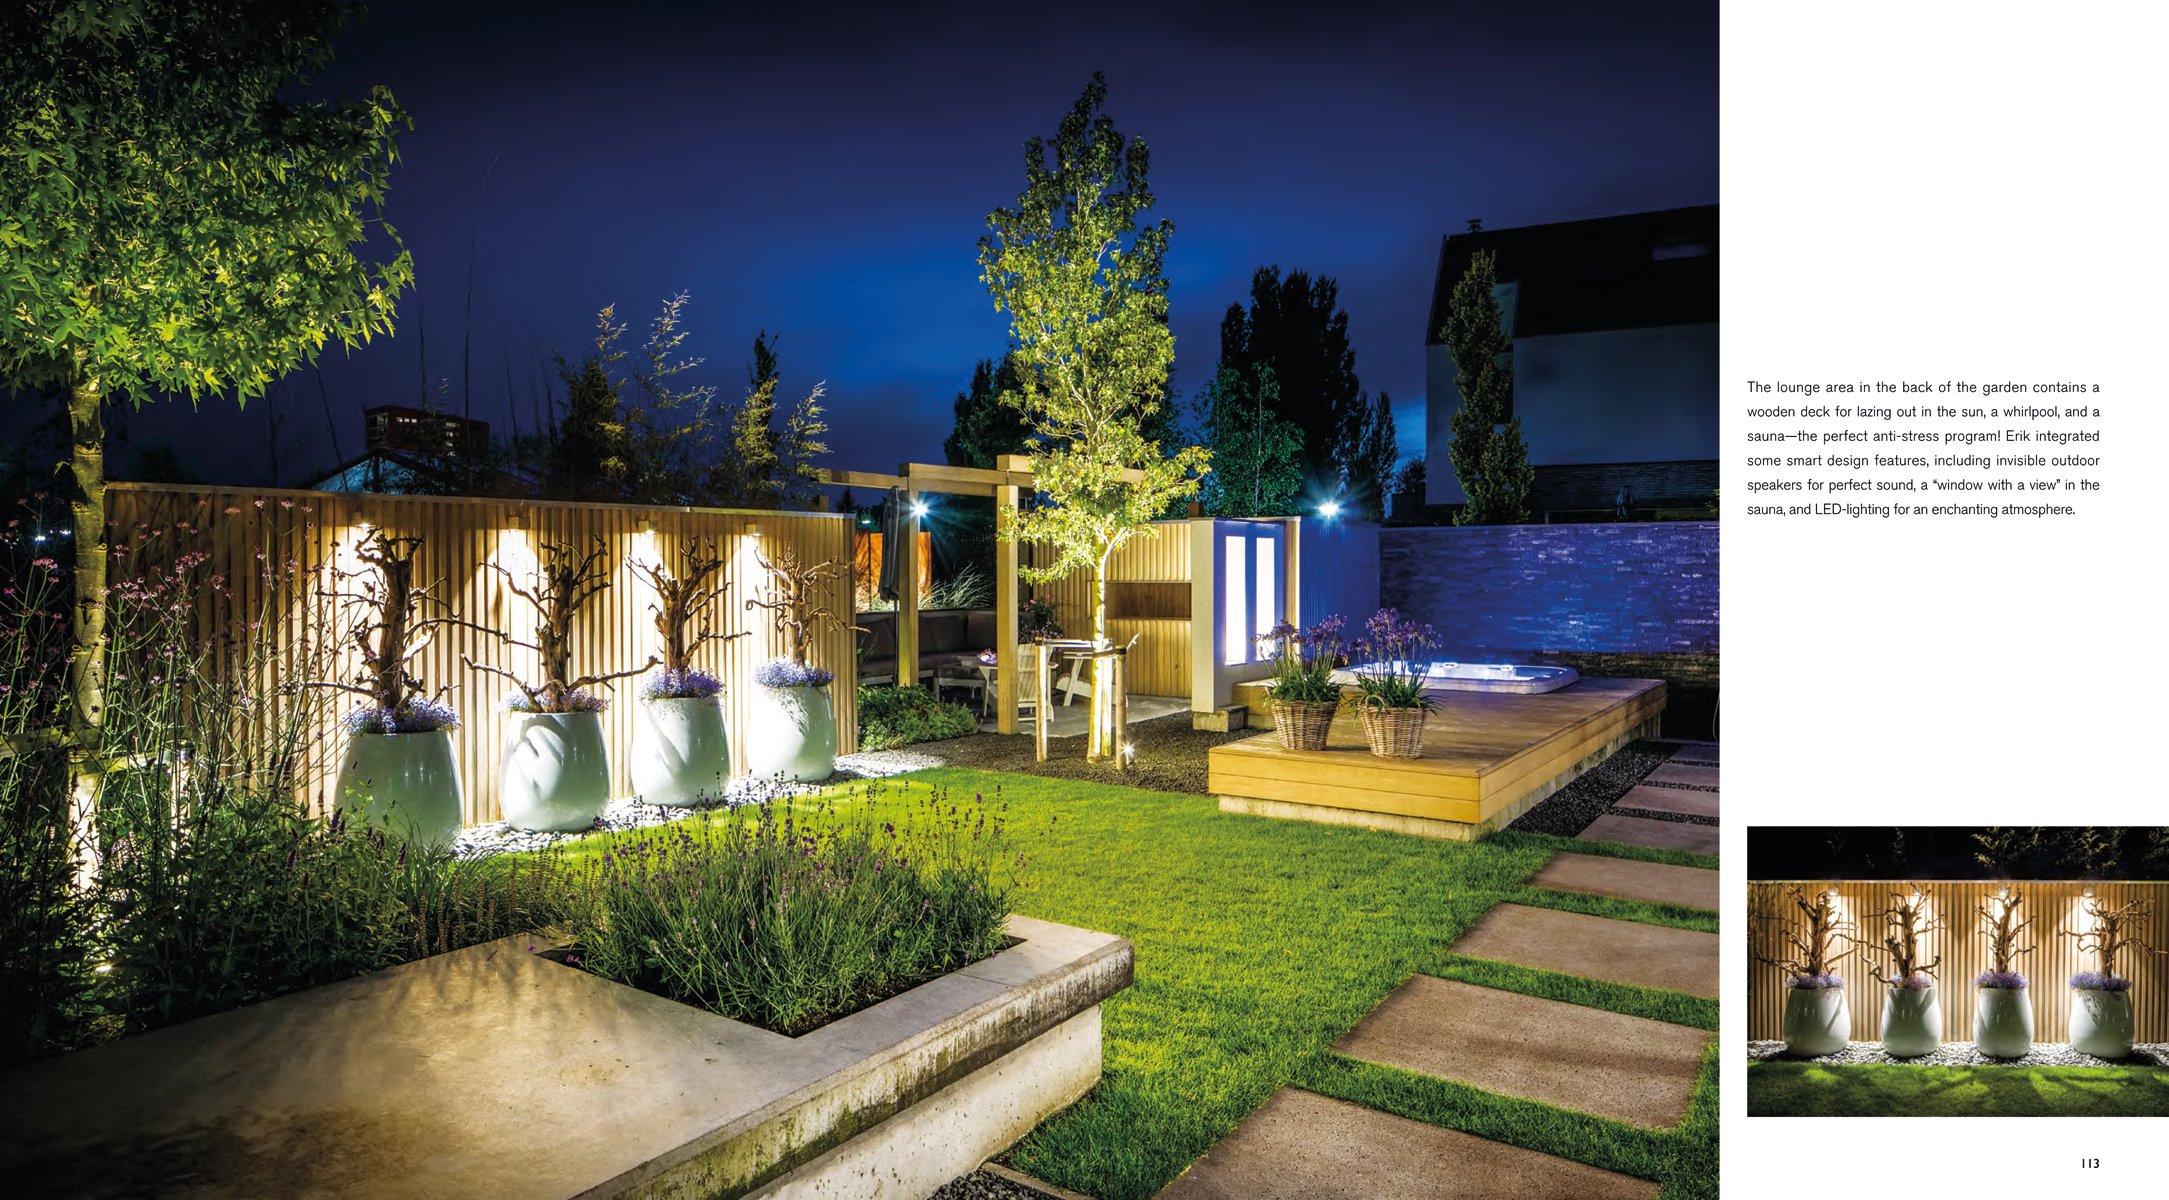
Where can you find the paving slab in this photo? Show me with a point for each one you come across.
(1683, 774)
(1659, 883)
(1628, 952)
(1627, 1068)
(1647, 831)
(1303, 1146)
(1696, 752)
(1691, 801)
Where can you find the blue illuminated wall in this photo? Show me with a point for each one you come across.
(1557, 592)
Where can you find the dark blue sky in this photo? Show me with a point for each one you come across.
(823, 171)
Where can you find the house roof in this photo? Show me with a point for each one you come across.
(1635, 271)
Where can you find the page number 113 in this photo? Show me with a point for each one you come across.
(2089, 1163)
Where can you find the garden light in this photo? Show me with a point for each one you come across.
(918, 509)
(1330, 510)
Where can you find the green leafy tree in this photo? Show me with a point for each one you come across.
(1257, 453)
(1370, 454)
(1296, 326)
(1085, 285)
(175, 219)
(583, 454)
(986, 428)
(1489, 458)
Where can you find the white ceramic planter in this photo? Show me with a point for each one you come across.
(1912, 1022)
(2101, 1022)
(556, 773)
(1816, 1021)
(2002, 1022)
(792, 734)
(405, 783)
(681, 753)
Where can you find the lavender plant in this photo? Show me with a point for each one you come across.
(787, 673)
(787, 919)
(1395, 647)
(686, 684)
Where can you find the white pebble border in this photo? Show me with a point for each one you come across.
(481, 841)
(1963, 1054)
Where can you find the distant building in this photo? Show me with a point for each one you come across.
(412, 450)
(1614, 327)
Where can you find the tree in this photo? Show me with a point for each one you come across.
(1368, 456)
(584, 450)
(1296, 326)
(1085, 285)
(1488, 456)
(173, 220)
(986, 428)
(765, 467)
(1257, 453)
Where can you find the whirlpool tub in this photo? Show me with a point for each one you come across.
(1479, 677)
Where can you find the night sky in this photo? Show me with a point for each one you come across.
(823, 171)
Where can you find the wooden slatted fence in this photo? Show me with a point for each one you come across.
(2055, 907)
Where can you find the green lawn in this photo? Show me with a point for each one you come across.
(1260, 942)
(1788, 1089)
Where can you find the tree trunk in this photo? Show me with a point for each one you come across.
(1103, 696)
(86, 660)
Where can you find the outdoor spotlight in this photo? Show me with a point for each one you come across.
(2088, 893)
(918, 509)
(1330, 509)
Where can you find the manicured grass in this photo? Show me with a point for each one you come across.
(1259, 943)
(1894, 1090)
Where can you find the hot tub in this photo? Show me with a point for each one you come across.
(1479, 677)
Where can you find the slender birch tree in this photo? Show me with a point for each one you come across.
(1082, 275)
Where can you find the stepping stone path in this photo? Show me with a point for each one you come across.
(1653, 956)
(1679, 774)
(1627, 1068)
(1617, 826)
(1692, 802)
(1303, 1145)
(1625, 879)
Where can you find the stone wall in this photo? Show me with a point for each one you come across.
(1637, 599)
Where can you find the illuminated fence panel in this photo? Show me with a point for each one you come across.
(2054, 906)
(1159, 664)
(460, 538)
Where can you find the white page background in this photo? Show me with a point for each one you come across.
(1944, 191)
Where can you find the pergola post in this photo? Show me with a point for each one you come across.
(907, 594)
(1005, 609)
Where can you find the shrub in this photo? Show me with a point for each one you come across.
(787, 924)
(892, 716)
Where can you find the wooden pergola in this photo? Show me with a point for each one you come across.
(1006, 483)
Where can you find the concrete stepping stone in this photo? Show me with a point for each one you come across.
(1647, 831)
(1669, 800)
(1696, 752)
(1682, 774)
(1630, 1069)
(1303, 1146)
(1625, 879)
(1655, 956)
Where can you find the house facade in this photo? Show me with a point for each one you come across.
(1614, 328)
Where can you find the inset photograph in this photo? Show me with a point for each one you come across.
(1940, 971)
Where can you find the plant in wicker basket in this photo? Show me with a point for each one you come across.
(1391, 683)
(1303, 694)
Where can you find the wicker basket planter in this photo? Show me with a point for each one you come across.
(1303, 724)
(1394, 732)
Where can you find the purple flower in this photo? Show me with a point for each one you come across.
(2098, 981)
(784, 673)
(2009, 980)
(1815, 983)
(1917, 981)
(413, 716)
(689, 684)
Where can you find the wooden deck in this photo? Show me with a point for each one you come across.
(1488, 758)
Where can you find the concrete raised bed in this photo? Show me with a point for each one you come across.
(491, 1072)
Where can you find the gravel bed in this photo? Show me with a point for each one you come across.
(1962, 1054)
(986, 1185)
(1570, 810)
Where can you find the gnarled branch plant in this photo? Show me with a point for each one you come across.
(685, 602)
(2109, 930)
(394, 619)
(1905, 923)
(1999, 916)
(793, 595)
(1799, 934)
(566, 577)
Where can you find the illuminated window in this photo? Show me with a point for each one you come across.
(1250, 593)
(1234, 603)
